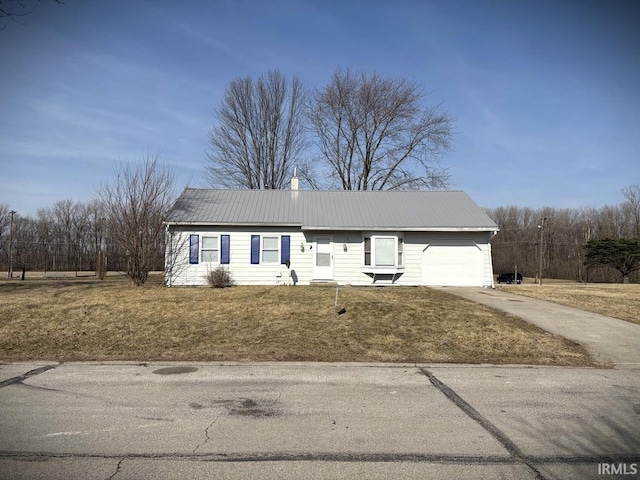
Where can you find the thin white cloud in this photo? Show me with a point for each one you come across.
(226, 41)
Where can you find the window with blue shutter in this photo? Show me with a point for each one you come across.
(224, 249)
(285, 248)
(255, 249)
(193, 249)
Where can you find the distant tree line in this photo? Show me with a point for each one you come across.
(120, 230)
(64, 237)
(565, 235)
(70, 236)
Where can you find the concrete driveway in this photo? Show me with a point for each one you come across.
(327, 421)
(609, 340)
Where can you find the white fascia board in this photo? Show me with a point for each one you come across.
(402, 229)
(230, 224)
(336, 229)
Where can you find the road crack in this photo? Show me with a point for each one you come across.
(472, 413)
(206, 434)
(31, 373)
(275, 456)
(118, 466)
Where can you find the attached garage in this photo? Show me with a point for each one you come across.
(454, 263)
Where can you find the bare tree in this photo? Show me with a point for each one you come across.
(97, 220)
(137, 201)
(4, 222)
(64, 213)
(23, 229)
(259, 136)
(46, 241)
(632, 205)
(375, 133)
(16, 10)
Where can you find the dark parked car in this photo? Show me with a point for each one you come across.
(509, 278)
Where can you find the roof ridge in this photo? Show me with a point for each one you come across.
(319, 191)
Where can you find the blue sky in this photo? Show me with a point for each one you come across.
(545, 94)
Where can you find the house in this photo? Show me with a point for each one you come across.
(347, 237)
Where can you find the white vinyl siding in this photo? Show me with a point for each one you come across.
(348, 260)
(180, 272)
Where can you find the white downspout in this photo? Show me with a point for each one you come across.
(168, 251)
(491, 257)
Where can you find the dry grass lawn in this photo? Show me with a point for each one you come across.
(72, 320)
(614, 300)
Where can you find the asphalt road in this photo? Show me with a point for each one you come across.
(333, 421)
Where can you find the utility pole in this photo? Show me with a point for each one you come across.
(541, 227)
(10, 273)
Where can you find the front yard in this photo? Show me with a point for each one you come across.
(85, 319)
(611, 299)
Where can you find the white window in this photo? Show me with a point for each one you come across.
(383, 251)
(270, 249)
(210, 250)
(367, 251)
(323, 252)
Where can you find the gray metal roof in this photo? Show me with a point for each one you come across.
(335, 210)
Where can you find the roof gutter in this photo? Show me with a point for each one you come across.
(323, 228)
(400, 228)
(230, 224)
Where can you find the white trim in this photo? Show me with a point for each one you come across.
(335, 228)
(374, 237)
(398, 229)
(382, 270)
(323, 273)
(279, 243)
(236, 224)
(202, 249)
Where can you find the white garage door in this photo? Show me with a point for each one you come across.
(452, 263)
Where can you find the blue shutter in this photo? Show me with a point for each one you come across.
(255, 249)
(224, 249)
(193, 249)
(285, 248)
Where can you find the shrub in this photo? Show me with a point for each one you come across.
(219, 278)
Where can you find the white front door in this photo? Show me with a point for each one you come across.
(323, 259)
